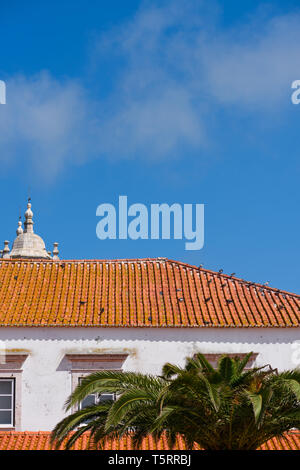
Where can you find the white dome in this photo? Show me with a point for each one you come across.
(29, 245)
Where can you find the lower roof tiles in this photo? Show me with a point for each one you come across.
(41, 441)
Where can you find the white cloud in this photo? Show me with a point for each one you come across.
(171, 68)
(255, 68)
(43, 122)
(178, 68)
(153, 126)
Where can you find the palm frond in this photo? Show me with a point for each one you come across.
(226, 407)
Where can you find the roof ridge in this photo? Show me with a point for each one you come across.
(234, 278)
(290, 432)
(157, 259)
(27, 433)
(84, 260)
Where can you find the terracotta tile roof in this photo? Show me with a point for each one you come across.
(41, 441)
(136, 293)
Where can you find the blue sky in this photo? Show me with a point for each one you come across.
(168, 101)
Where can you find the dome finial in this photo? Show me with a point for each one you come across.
(55, 252)
(6, 250)
(28, 224)
(20, 228)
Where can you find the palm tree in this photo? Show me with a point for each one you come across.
(227, 407)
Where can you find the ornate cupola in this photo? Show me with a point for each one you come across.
(28, 244)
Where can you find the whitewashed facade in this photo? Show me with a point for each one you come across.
(46, 377)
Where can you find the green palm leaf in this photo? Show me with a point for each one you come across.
(226, 407)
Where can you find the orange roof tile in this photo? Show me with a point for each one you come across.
(11, 440)
(136, 293)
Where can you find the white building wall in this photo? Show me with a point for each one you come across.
(46, 383)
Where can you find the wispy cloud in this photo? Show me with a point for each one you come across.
(254, 67)
(171, 67)
(43, 122)
(177, 67)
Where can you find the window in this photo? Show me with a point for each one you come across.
(7, 391)
(94, 398)
(11, 390)
(83, 364)
(213, 358)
